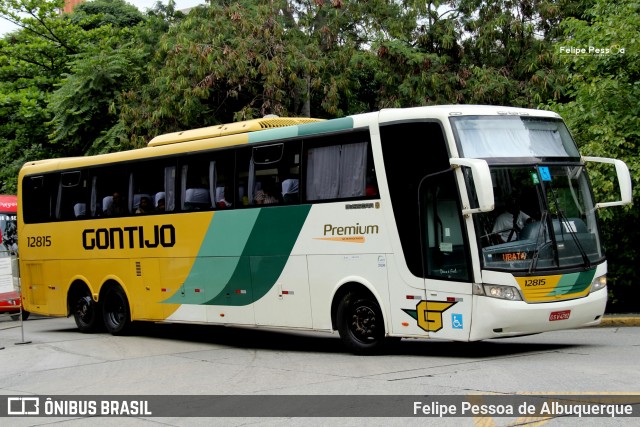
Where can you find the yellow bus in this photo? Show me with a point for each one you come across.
(378, 225)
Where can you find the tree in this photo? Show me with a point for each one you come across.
(601, 51)
(62, 77)
(478, 52)
(32, 60)
(86, 107)
(237, 60)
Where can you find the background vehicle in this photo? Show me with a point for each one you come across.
(9, 297)
(381, 231)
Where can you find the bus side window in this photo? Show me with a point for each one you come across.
(339, 167)
(153, 183)
(109, 188)
(72, 200)
(39, 198)
(268, 174)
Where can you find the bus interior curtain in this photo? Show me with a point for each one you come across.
(352, 172)
(94, 196)
(169, 188)
(251, 181)
(213, 182)
(337, 171)
(131, 190)
(58, 213)
(183, 186)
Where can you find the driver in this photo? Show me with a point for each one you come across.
(508, 224)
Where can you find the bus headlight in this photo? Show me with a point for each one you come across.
(502, 292)
(599, 283)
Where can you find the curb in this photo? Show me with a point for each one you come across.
(620, 320)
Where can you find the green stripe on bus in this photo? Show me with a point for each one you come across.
(272, 239)
(573, 283)
(273, 134)
(327, 126)
(218, 256)
(242, 255)
(301, 130)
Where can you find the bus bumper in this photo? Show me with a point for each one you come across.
(497, 318)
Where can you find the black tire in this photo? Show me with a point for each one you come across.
(86, 313)
(25, 314)
(115, 311)
(360, 323)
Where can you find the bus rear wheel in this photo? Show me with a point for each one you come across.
(360, 323)
(86, 313)
(115, 311)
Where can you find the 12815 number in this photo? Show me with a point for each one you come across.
(38, 241)
(535, 282)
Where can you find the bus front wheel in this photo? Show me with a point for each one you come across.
(360, 323)
(115, 311)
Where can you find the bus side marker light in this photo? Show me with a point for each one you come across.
(405, 323)
(414, 297)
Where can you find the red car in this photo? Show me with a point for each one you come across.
(10, 303)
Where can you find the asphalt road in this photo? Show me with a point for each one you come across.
(49, 357)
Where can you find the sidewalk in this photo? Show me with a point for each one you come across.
(626, 319)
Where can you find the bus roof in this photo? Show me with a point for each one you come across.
(229, 129)
(444, 112)
(273, 128)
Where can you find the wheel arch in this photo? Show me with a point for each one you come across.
(115, 325)
(79, 286)
(356, 285)
(111, 282)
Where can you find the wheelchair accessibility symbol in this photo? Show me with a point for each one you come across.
(456, 321)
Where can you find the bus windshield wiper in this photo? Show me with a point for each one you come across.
(565, 225)
(538, 245)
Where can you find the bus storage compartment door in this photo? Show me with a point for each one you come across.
(285, 302)
(230, 293)
(146, 290)
(39, 292)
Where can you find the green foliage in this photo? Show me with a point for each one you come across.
(492, 52)
(97, 13)
(31, 62)
(82, 108)
(239, 60)
(604, 116)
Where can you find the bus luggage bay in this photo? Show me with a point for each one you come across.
(379, 225)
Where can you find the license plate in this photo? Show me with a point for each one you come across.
(559, 315)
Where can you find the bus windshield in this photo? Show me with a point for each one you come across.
(544, 218)
(513, 136)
